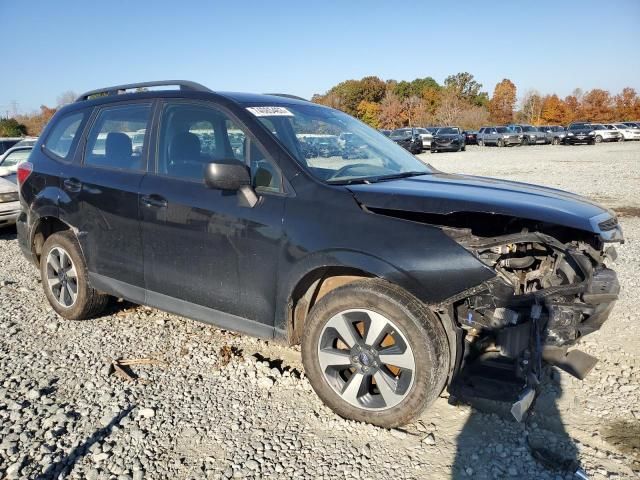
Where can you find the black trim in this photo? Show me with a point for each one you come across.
(119, 89)
(181, 307)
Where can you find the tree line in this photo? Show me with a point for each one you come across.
(460, 100)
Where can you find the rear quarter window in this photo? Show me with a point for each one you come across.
(64, 135)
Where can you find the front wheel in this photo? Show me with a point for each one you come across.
(374, 353)
(556, 141)
(525, 141)
(480, 143)
(598, 139)
(620, 139)
(65, 280)
(500, 142)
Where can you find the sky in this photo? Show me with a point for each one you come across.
(304, 48)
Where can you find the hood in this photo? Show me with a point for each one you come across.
(7, 186)
(442, 193)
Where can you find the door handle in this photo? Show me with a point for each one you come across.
(72, 185)
(154, 200)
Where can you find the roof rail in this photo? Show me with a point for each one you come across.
(119, 89)
(286, 95)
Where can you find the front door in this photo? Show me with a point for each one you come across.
(203, 249)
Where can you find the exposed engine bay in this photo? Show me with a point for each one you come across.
(546, 295)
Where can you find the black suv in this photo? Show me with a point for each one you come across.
(580, 133)
(397, 279)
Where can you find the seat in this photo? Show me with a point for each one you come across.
(118, 150)
(184, 159)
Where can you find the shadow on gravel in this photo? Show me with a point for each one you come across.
(542, 435)
(66, 463)
(8, 233)
(277, 364)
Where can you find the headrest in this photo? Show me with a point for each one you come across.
(118, 145)
(184, 146)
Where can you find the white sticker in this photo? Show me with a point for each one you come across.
(270, 111)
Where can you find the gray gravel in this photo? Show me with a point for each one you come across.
(218, 405)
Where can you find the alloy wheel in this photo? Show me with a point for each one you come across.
(62, 278)
(366, 359)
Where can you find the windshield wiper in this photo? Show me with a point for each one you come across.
(381, 178)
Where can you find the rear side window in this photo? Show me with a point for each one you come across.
(117, 137)
(63, 134)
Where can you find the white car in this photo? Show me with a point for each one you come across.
(10, 160)
(426, 137)
(627, 132)
(605, 134)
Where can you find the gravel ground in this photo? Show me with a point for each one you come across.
(212, 404)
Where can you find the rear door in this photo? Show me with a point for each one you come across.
(203, 249)
(103, 195)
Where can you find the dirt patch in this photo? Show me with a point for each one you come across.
(628, 211)
(625, 436)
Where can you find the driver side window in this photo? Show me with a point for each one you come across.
(191, 136)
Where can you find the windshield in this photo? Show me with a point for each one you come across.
(529, 129)
(447, 131)
(502, 129)
(311, 134)
(620, 125)
(15, 157)
(401, 133)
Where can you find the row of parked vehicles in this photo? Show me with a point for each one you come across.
(435, 139)
(578, 132)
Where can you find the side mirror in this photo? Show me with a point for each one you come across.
(230, 175)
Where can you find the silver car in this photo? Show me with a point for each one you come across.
(606, 134)
(554, 133)
(9, 202)
(499, 136)
(426, 137)
(530, 134)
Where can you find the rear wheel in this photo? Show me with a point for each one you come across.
(374, 353)
(64, 279)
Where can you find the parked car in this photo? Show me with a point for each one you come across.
(10, 160)
(530, 134)
(7, 142)
(555, 133)
(9, 202)
(471, 137)
(448, 139)
(580, 132)
(407, 138)
(606, 134)
(500, 136)
(426, 136)
(27, 142)
(627, 132)
(632, 124)
(386, 267)
(385, 132)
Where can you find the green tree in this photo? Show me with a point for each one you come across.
(467, 88)
(10, 127)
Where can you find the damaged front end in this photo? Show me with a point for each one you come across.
(548, 293)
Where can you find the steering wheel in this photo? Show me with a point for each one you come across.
(346, 168)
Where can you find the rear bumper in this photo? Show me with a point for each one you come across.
(9, 212)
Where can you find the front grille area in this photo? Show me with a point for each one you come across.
(608, 224)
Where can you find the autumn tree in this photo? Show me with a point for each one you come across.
(502, 103)
(627, 104)
(392, 112)
(451, 106)
(572, 110)
(36, 121)
(597, 105)
(553, 110)
(466, 87)
(531, 109)
(347, 95)
(369, 113)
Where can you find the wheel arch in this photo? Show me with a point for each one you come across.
(43, 228)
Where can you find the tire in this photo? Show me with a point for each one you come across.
(500, 142)
(59, 287)
(370, 303)
(525, 141)
(480, 143)
(620, 139)
(598, 139)
(464, 148)
(555, 141)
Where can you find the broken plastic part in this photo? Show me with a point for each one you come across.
(521, 407)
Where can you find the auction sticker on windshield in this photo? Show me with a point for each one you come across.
(270, 111)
